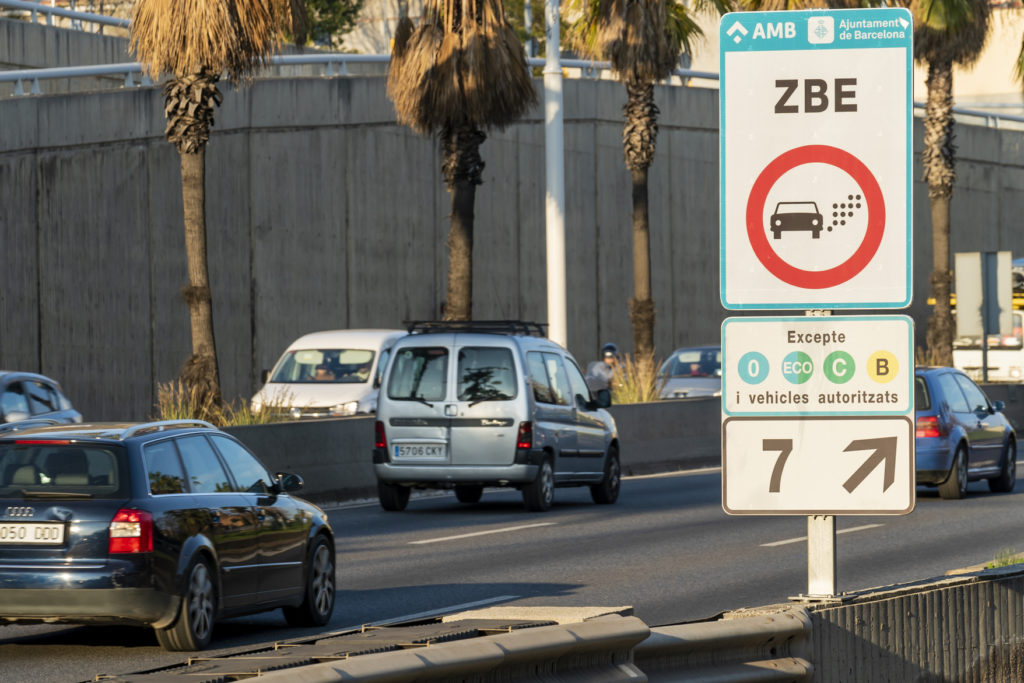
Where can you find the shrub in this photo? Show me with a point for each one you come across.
(636, 380)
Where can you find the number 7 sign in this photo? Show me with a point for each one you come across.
(818, 465)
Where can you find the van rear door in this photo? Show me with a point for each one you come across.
(418, 389)
(488, 405)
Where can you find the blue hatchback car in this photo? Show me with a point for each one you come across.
(961, 436)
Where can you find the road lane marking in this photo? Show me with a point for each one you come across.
(676, 473)
(482, 533)
(447, 610)
(804, 538)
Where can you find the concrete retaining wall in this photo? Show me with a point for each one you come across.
(324, 213)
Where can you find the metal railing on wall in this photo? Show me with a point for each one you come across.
(78, 20)
(337, 64)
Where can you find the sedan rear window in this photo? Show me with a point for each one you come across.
(486, 374)
(43, 470)
(419, 374)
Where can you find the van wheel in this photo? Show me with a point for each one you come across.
(193, 629)
(608, 490)
(538, 494)
(393, 497)
(955, 486)
(1007, 478)
(469, 493)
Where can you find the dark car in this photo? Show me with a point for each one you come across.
(961, 435)
(796, 216)
(28, 399)
(171, 525)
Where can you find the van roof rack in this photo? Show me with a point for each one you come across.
(485, 326)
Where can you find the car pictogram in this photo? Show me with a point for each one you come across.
(796, 216)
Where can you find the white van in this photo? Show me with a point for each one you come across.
(328, 374)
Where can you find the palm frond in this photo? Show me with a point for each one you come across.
(462, 65)
(187, 36)
(953, 30)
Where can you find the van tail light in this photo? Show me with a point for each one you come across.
(525, 436)
(131, 531)
(929, 427)
(381, 439)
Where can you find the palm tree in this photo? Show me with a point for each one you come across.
(196, 42)
(946, 32)
(643, 40)
(462, 69)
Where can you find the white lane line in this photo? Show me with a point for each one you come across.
(675, 473)
(804, 538)
(482, 533)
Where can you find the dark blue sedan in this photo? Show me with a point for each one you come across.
(961, 435)
(171, 525)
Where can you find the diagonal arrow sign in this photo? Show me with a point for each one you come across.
(885, 449)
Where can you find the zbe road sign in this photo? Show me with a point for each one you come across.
(816, 151)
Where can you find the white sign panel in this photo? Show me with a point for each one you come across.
(833, 365)
(816, 159)
(818, 466)
(818, 415)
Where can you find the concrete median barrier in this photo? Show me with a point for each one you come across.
(333, 455)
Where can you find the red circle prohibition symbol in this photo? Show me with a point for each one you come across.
(815, 279)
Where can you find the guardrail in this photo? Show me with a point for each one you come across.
(36, 8)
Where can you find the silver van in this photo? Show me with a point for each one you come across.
(465, 405)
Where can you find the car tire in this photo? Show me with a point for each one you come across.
(393, 497)
(193, 629)
(318, 598)
(539, 493)
(1007, 478)
(955, 486)
(607, 491)
(467, 493)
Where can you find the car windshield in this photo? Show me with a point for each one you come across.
(693, 363)
(419, 374)
(796, 207)
(336, 366)
(38, 469)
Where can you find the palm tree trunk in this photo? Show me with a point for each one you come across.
(641, 308)
(638, 141)
(200, 372)
(938, 158)
(463, 171)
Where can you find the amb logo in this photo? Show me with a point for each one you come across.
(763, 30)
(778, 29)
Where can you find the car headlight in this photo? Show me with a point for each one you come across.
(349, 408)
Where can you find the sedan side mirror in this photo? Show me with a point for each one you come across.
(289, 482)
(264, 376)
(998, 406)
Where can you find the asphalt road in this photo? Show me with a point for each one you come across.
(666, 548)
